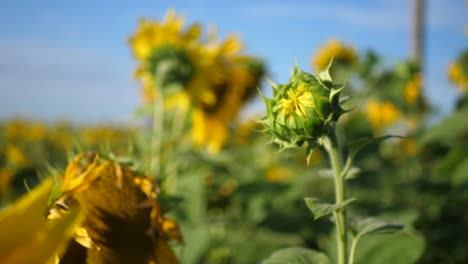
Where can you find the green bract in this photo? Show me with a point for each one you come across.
(171, 67)
(301, 110)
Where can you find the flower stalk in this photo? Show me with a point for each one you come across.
(334, 151)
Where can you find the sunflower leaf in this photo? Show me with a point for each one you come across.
(297, 255)
(320, 209)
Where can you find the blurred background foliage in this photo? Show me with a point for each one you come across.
(235, 198)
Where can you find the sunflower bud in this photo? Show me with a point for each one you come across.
(301, 110)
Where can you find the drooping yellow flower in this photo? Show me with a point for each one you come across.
(124, 222)
(381, 114)
(216, 78)
(413, 89)
(152, 36)
(337, 50)
(27, 237)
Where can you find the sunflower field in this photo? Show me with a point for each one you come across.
(345, 164)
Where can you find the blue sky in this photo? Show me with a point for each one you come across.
(71, 59)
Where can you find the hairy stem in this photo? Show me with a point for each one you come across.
(352, 251)
(156, 136)
(334, 152)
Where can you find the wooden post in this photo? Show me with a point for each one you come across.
(417, 34)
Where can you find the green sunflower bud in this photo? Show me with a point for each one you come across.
(301, 110)
(171, 67)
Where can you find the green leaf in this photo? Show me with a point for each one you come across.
(326, 173)
(355, 146)
(460, 174)
(371, 225)
(297, 255)
(401, 248)
(451, 127)
(321, 209)
(197, 242)
(352, 173)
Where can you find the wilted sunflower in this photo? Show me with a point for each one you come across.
(124, 222)
(336, 50)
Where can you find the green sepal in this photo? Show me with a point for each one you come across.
(322, 106)
(311, 146)
(324, 75)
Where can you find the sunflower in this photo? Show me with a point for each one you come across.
(170, 55)
(335, 50)
(123, 223)
(210, 77)
(382, 114)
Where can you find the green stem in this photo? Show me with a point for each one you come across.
(156, 136)
(352, 251)
(334, 153)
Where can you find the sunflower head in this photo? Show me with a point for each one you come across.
(301, 110)
(124, 222)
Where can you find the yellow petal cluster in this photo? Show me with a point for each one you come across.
(457, 76)
(222, 81)
(381, 114)
(413, 89)
(27, 236)
(337, 50)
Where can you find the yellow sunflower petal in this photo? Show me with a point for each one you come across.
(27, 237)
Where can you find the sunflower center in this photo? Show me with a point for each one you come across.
(296, 101)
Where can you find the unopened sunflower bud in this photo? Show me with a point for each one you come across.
(301, 110)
